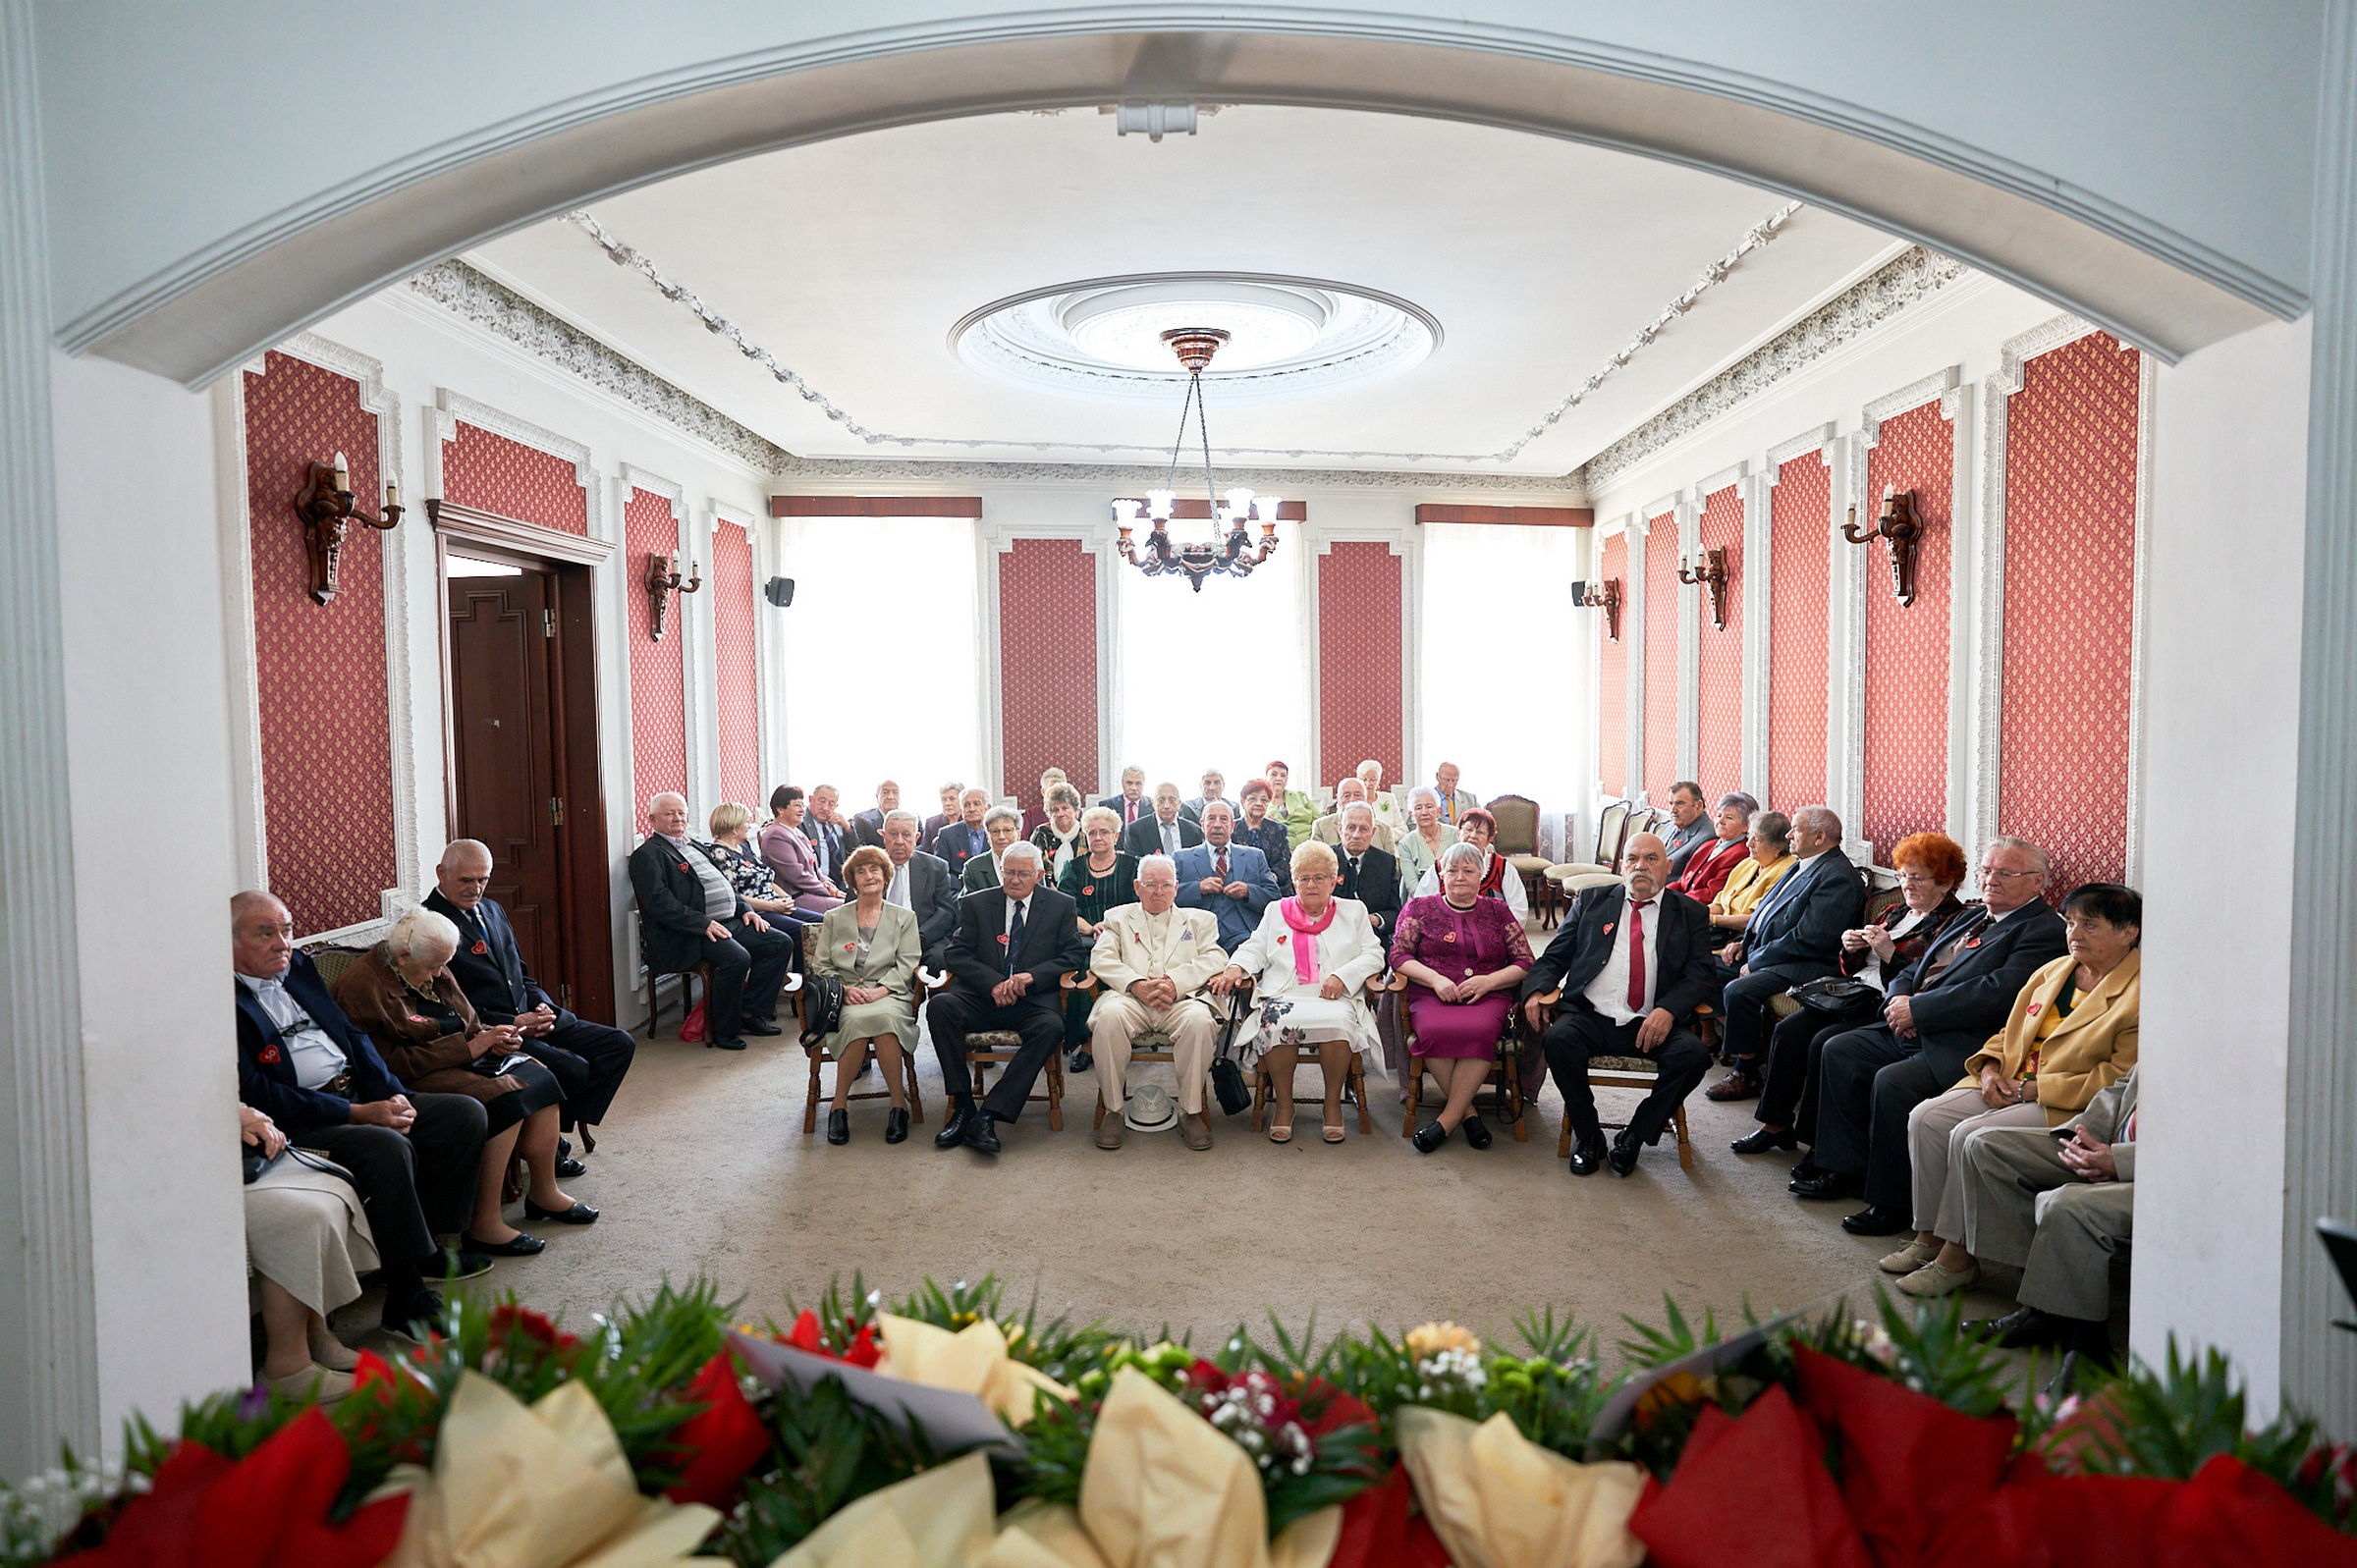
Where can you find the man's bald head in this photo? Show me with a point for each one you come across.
(1645, 862)
(463, 873)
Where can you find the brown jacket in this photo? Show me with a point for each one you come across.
(373, 996)
(2089, 1052)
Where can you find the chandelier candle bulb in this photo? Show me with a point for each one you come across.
(343, 473)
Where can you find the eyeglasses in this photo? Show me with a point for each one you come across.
(1913, 879)
(1991, 874)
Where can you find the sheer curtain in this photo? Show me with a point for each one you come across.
(1216, 679)
(1491, 702)
(885, 659)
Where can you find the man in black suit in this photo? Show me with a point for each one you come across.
(588, 1059)
(964, 837)
(1795, 936)
(1629, 963)
(1013, 943)
(693, 915)
(831, 838)
(1131, 803)
(412, 1157)
(1167, 832)
(1369, 874)
(1941, 1010)
(868, 826)
(920, 884)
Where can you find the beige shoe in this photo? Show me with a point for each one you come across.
(1933, 1281)
(1111, 1129)
(1910, 1258)
(330, 1352)
(1195, 1129)
(319, 1384)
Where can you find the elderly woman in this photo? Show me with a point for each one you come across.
(308, 1241)
(1028, 824)
(1710, 864)
(872, 947)
(2072, 1034)
(1309, 961)
(1498, 878)
(1002, 826)
(1101, 877)
(1265, 833)
(1755, 877)
(732, 850)
(1420, 848)
(1292, 807)
(1059, 839)
(1463, 955)
(790, 852)
(1931, 867)
(403, 995)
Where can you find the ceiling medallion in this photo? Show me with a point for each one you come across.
(1231, 549)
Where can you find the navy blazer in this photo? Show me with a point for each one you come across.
(266, 1068)
(1143, 837)
(1956, 1013)
(1799, 938)
(1681, 950)
(1238, 917)
(952, 848)
(495, 979)
(1052, 945)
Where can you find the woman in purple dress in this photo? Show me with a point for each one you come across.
(790, 856)
(1463, 955)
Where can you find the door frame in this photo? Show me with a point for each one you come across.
(569, 561)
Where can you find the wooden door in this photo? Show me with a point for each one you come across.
(503, 755)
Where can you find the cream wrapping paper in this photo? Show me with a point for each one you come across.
(541, 1486)
(937, 1519)
(972, 1361)
(1499, 1501)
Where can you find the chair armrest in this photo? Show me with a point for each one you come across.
(1546, 998)
(1079, 980)
(793, 983)
(929, 979)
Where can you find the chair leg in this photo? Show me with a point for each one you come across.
(1260, 1092)
(1055, 1092)
(1685, 1149)
(1100, 1118)
(1357, 1081)
(810, 1096)
(1407, 1096)
(916, 1096)
(1563, 1144)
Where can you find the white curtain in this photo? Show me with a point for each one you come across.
(1216, 679)
(1492, 703)
(885, 667)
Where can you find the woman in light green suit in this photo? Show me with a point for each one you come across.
(1291, 807)
(872, 947)
(1420, 848)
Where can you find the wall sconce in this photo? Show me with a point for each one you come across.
(324, 505)
(662, 579)
(1604, 596)
(1713, 574)
(1902, 529)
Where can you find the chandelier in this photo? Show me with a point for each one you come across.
(1231, 549)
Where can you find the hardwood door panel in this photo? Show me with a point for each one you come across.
(502, 760)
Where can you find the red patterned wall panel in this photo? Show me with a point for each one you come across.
(1359, 659)
(1800, 606)
(496, 475)
(1907, 647)
(732, 612)
(1719, 714)
(1612, 708)
(1047, 664)
(319, 671)
(1661, 589)
(658, 694)
(2070, 562)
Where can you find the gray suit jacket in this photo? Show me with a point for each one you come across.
(2107, 1118)
(933, 899)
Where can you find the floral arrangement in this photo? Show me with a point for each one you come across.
(947, 1431)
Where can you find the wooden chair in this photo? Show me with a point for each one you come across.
(1518, 840)
(1504, 1084)
(654, 984)
(995, 1047)
(1264, 1082)
(817, 1051)
(331, 963)
(1083, 982)
(1622, 1072)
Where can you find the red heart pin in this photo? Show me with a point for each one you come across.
(269, 1053)
(479, 949)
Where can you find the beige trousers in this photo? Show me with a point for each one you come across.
(1936, 1134)
(1114, 1021)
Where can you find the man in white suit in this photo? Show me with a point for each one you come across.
(1154, 959)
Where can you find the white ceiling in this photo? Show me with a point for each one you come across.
(850, 260)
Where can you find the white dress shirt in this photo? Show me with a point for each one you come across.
(1872, 974)
(1013, 905)
(315, 1056)
(1608, 992)
(897, 889)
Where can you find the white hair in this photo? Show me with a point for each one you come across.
(1210, 806)
(419, 928)
(1007, 811)
(463, 847)
(897, 815)
(652, 801)
(2040, 857)
(1020, 850)
(1164, 861)
(1357, 805)
(1426, 791)
(1463, 851)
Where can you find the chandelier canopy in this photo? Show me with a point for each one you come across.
(1231, 549)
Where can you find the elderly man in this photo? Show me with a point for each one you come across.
(1629, 963)
(1231, 879)
(412, 1157)
(963, 838)
(1369, 874)
(693, 915)
(587, 1060)
(950, 793)
(1942, 1009)
(1130, 804)
(1329, 829)
(830, 836)
(1013, 943)
(1001, 827)
(1215, 788)
(1155, 960)
(1690, 825)
(1164, 833)
(1795, 936)
(1455, 802)
(2059, 1208)
(1387, 811)
(921, 884)
(868, 826)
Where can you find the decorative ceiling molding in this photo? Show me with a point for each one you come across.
(1127, 478)
(1907, 280)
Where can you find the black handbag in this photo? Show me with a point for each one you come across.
(1833, 993)
(822, 1001)
(1228, 1078)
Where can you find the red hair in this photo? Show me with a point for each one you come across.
(1244, 790)
(1935, 854)
(1266, 766)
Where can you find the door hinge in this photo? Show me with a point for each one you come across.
(548, 625)
(556, 811)
(565, 996)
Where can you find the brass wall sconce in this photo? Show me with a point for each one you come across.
(325, 506)
(1713, 574)
(1902, 529)
(1604, 596)
(662, 580)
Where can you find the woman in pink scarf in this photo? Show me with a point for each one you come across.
(1309, 962)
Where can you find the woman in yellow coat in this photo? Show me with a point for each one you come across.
(2071, 1035)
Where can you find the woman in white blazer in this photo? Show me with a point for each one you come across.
(1309, 962)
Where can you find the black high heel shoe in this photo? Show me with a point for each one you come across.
(838, 1126)
(896, 1125)
(1429, 1137)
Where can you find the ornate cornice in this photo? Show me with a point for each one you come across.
(1127, 476)
(1906, 281)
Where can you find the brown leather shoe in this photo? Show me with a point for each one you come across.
(1195, 1129)
(1737, 1085)
(1111, 1129)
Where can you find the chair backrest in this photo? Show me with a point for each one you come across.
(1517, 825)
(331, 964)
(1878, 901)
(1609, 825)
(810, 945)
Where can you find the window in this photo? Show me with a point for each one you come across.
(1490, 702)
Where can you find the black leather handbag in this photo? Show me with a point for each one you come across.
(1833, 993)
(822, 995)
(1226, 1078)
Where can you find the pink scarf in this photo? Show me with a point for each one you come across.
(1305, 949)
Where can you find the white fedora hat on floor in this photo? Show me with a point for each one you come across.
(1150, 1109)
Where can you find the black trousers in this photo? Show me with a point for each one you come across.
(747, 972)
(1579, 1032)
(1870, 1080)
(1796, 1050)
(960, 1011)
(588, 1060)
(1743, 1015)
(413, 1186)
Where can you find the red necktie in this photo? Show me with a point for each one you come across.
(1636, 957)
(1220, 865)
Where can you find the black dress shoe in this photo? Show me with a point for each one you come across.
(1764, 1140)
(580, 1214)
(896, 1125)
(1623, 1155)
(1876, 1220)
(953, 1130)
(1806, 1167)
(569, 1167)
(415, 1319)
(448, 1267)
(730, 1043)
(1477, 1131)
(1588, 1157)
(982, 1133)
(1079, 1061)
(1429, 1137)
(2023, 1328)
(564, 1148)
(758, 1026)
(838, 1126)
(517, 1246)
(1826, 1185)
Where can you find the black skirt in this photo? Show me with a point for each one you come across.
(540, 1089)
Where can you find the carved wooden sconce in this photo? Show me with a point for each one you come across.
(1712, 573)
(662, 579)
(1902, 529)
(1605, 596)
(324, 505)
